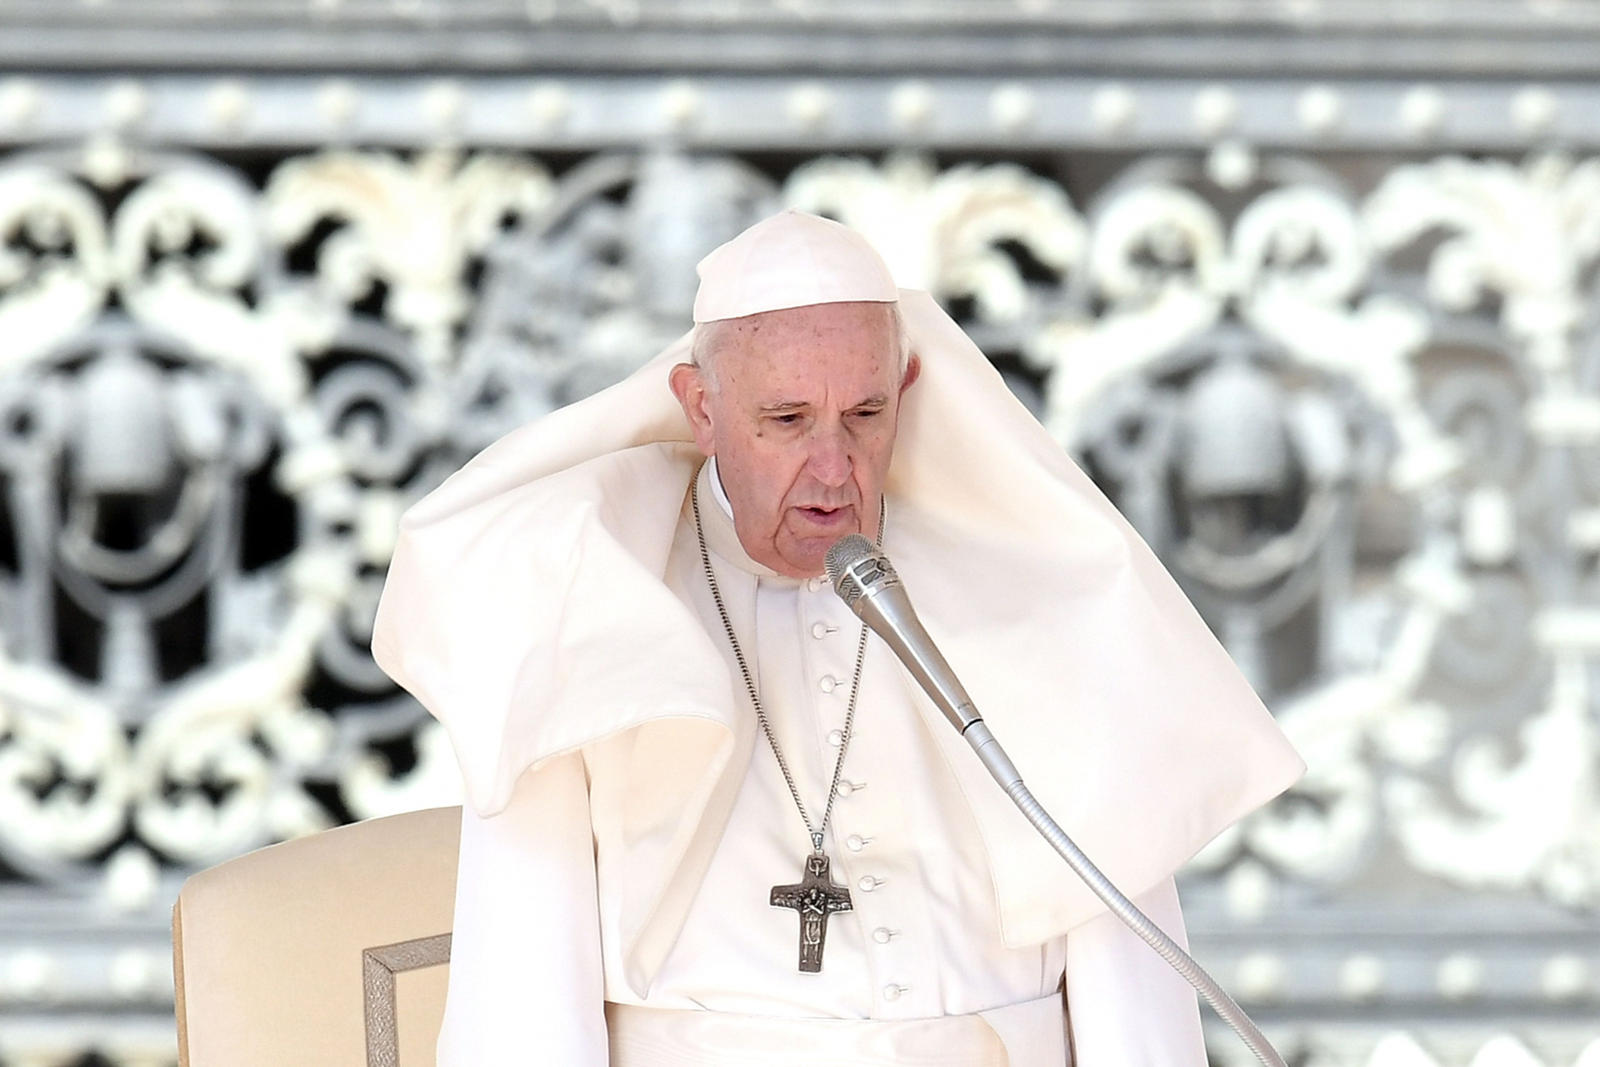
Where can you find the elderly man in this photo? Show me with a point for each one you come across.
(709, 820)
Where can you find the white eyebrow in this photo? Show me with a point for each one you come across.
(875, 400)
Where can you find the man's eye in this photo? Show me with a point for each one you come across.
(789, 419)
(869, 413)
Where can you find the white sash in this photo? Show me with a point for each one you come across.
(1027, 1034)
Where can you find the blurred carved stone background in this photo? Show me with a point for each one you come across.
(1308, 287)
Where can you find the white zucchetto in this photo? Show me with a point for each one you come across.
(790, 260)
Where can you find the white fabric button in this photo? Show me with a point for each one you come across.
(828, 683)
(882, 935)
(819, 630)
(855, 842)
(892, 991)
(846, 787)
(835, 738)
(869, 883)
(815, 584)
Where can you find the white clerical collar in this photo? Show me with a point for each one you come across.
(716, 488)
(721, 537)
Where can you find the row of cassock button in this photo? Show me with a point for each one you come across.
(855, 842)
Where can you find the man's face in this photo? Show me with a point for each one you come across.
(802, 424)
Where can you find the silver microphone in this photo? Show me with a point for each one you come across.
(865, 580)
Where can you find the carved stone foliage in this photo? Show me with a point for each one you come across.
(207, 440)
(1356, 419)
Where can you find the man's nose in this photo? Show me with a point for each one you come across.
(830, 457)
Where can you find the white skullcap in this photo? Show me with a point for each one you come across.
(790, 260)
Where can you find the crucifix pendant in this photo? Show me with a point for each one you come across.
(814, 898)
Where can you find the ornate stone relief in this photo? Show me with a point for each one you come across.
(1350, 399)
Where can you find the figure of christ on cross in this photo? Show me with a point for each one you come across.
(814, 898)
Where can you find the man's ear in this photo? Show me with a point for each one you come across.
(689, 386)
(913, 372)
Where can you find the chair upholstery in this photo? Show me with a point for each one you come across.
(330, 949)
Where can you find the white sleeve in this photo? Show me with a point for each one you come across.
(526, 983)
(1125, 1006)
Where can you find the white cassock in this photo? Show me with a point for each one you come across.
(919, 943)
(626, 820)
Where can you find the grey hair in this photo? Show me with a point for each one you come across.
(710, 337)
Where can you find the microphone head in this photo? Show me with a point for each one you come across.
(845, 553)
(857, 566)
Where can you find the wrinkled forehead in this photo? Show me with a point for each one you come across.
(815, 349)
(839, 320)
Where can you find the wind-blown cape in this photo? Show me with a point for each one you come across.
(525, 608)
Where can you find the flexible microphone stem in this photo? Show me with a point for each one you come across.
(982, 740)
(865, 580)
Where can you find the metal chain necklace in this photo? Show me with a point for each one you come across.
(816, 895)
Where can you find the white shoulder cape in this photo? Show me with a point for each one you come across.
(524, 608)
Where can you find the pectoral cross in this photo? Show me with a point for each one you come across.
(814, 897)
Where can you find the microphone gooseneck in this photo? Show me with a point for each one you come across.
(869, 585)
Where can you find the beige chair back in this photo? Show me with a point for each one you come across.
(330, 950)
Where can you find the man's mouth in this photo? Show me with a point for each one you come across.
(825, 516)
